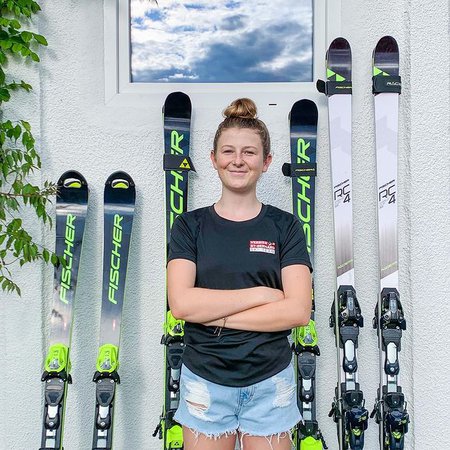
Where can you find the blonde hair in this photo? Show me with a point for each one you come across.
(242, 113)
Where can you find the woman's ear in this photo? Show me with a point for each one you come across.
(212, 155)
(267, 162)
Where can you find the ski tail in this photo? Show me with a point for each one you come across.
(119, 204)
(71, 211)
(176, 164)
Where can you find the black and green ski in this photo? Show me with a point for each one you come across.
(177, 164)
(71, 211)
(119, 202)
(302, 170)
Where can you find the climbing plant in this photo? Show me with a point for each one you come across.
(19, 159)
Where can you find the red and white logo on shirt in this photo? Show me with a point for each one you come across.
(262, 246)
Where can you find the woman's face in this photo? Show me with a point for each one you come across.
(239, 159)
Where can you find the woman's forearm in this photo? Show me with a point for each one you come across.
(283, 315)
(199, 305)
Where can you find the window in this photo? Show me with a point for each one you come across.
(221, 41)
(272, 50)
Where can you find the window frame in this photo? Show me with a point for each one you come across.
(120, 91)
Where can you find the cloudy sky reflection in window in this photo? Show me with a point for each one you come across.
(221, 41)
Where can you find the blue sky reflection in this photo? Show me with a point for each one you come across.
(221, 41)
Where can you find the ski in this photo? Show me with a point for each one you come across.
(176, 164)
(389, 321)
(348, 409)
(302, 171)
(71, 211)
(119, 202)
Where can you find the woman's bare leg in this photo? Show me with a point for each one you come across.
(273, 442)
(194, 441)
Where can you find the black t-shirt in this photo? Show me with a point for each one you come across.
(237, 255)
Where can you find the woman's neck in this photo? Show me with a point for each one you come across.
(238, 207)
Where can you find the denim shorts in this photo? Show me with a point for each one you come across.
(263, 409)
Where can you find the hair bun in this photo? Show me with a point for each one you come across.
(242, 108)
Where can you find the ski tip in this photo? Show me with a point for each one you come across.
(177, 104)
(340, 43)
(387, 44)
(339, 60)
(72, 180)
(304, 112)
(386, 57)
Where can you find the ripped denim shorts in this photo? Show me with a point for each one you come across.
(263, 409)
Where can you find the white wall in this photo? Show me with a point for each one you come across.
(75, 129)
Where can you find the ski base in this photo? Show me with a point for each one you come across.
(390, 410)
(302, 169)
(71, 212)
(119, 206)
(177, 164)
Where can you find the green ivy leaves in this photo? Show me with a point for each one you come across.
(19, 159)
(18, 42)
(20, 7)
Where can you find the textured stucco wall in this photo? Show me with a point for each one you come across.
(429, 212)
(76, 130)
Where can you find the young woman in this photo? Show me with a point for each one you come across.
(239, 275)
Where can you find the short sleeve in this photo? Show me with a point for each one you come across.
(182, 243)
(293, 245)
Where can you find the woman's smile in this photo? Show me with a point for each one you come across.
(240, 156)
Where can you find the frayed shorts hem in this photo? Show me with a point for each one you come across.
(287, 430)
(210, 435)
(231, 432)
